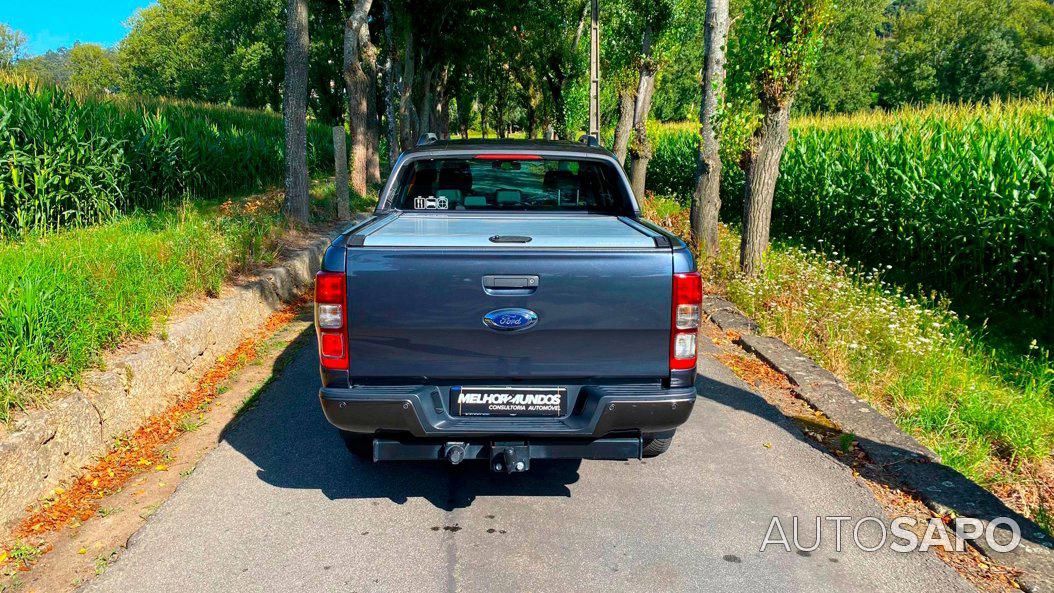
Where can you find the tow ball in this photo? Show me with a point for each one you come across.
(510, 458)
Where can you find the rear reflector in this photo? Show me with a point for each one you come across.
(331, 346)
(684, 320)
(508, 157)
(331, 319)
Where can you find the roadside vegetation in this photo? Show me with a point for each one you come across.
(71, 160)
(987, 412)
(957, 199)
(70, 295)
(111, 213)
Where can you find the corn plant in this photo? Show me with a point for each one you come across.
(957, 198)
(69, 160)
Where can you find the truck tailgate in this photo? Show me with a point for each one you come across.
(418, 311)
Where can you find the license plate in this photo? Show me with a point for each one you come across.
(508, 401)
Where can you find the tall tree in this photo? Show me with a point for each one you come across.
(968, 50)
(640, 146)
(294, 110)
(391, 76)
(12, 46)
(844, 77)
(627, 99)
(407, 114)
(706, 200)
(51, 66)
(545, 25)
(92, 68)
(785, 36)
(620, 62)
(356, 82)
(656, 17)
(372, 137)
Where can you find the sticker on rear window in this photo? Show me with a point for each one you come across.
(430, 203)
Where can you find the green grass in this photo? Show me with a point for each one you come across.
(67, 296)
(324, 204)
(988, 412)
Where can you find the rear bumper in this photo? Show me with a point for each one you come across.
(419, 411)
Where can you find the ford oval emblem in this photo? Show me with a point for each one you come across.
(508, 320)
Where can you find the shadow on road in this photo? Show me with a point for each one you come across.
(289, 440)
(293, 445)
(944, 487)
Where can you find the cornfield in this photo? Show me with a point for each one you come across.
(954, 198)
(68, 160)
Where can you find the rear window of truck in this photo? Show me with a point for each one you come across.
(511, 182)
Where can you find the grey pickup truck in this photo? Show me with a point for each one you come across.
(506, 303)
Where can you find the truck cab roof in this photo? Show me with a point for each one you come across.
(511, 145)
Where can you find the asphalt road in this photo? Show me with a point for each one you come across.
(280, 506)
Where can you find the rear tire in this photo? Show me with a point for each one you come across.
(359, 445)
(657, 444)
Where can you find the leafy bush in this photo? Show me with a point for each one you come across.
(955, 198)
(69, 160)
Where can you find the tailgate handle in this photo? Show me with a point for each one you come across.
(510, 239)
(510, 282)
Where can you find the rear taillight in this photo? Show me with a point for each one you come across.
(684, 320)
(331, 319)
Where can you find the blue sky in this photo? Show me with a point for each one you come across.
(59, 23)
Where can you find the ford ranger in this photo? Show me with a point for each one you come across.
(506, 302)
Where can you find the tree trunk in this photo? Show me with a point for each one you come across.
(391, 74)
(440, 106)
(340, 172)
(443, 118)
(640, 150)
(407, 119)
(425, 123)
(501, 107)
(499, 121)
(357, 84)
(555, 80)
(626, 99)
(706, 200)
(464, 113)
(372, 136)
(559, 111)
(762, 172)
(294, 110)
(530, 113)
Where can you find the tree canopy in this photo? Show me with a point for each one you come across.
(523, 65)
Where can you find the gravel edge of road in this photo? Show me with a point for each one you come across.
(946, 491)
(47, 446)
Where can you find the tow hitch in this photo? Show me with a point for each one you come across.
(510, 457)
(504, 457)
